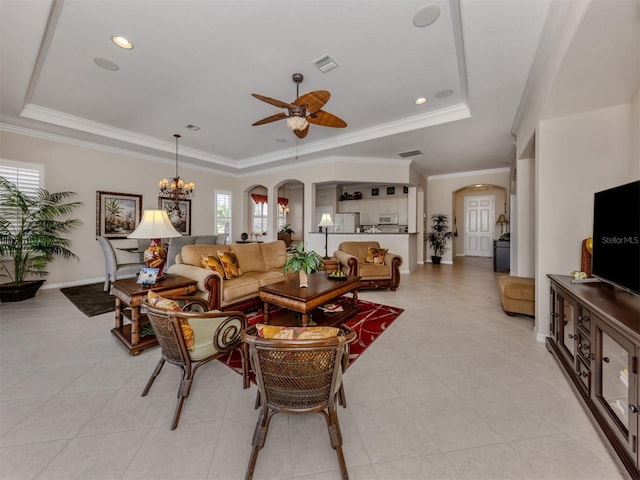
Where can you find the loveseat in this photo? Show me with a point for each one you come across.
(260, 264)
(380, 270)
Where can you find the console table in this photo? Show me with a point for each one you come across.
(595, 338)
(128, 293)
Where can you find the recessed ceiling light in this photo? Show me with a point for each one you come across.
(426, 16)
(420, 101)
(122, 42)
(444, 93)
(106, 64)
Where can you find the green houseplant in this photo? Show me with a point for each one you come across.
(30, 229)
(303, 262)
(438, 235)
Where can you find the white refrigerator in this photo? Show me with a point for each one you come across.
(346, 222)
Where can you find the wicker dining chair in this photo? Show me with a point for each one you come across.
(215, 334)
(298, 376)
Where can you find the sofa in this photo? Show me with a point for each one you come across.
(261, 264)
(176, 244)
(380, 272)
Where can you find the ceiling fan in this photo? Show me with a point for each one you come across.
(304, 110)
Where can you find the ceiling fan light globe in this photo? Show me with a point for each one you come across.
(297, 123)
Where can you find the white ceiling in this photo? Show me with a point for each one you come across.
(197, 62)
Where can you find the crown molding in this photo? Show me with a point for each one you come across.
(472, 173)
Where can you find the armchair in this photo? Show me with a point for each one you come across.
(191, 338)
(353, 261)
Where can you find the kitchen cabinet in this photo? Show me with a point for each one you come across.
(403, 211)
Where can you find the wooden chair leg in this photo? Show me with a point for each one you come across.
(183, 393)
(259, 438)
(155, 373)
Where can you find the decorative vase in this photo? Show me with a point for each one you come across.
(304, 279)
(156, 256)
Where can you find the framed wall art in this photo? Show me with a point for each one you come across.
(179, 215)
(117, 214)
(375, 192)
(391, 190)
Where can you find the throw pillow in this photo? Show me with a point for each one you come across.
(296, 333)
(212, 263)
(162, 303)
(376, 255)
(230, 264)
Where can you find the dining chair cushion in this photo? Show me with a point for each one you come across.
(295, 333)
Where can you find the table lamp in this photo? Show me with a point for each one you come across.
(155, 225)
(326, 222)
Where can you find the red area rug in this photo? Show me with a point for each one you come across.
(370, 322)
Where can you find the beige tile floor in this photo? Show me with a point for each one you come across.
(454, 389)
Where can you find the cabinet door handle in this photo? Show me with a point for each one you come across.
(571, 335)
(605, 359)
(633, 408)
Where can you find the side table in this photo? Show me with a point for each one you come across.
(331, 264)
(128, 293)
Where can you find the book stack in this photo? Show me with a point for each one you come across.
(331, 308)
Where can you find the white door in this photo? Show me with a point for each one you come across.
(479, 223)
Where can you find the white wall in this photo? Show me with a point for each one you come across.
(85, 171)
(576, 156)
(523, 225)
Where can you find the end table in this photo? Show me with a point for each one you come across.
(128, 293)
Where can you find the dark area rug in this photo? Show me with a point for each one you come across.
(90, 299)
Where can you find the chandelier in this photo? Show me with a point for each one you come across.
(176, 189)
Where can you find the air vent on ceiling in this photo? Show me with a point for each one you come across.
(192, 127)
(325, 63)
(412, 153)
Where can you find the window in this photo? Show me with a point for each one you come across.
(223, 212)
(27, 176)
(260, 217)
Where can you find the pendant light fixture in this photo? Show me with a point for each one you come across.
(176, 189)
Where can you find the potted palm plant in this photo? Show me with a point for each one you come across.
(438, 236)
(30, 229)
(302, 262)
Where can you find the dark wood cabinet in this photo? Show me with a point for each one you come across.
(501, 256)
(595, 337)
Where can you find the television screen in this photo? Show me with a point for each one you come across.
(616, 236)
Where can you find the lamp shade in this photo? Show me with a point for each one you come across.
(326, 220)
(502, 220)
(155, 224)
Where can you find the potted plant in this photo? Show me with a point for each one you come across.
(303, 263)
(438, 236)
(30, 231)
(285, 234)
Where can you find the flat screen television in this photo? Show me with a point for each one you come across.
(616, 236)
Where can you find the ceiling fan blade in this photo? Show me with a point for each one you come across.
(273, 101)
(315, 100)
(326, 119)
(302, 133)
(272, 118)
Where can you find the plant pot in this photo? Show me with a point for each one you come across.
(11, 292)
(435, 260)
(304, 279)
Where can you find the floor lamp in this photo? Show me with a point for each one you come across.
(326, 222)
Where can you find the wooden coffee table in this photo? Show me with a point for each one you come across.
(306, 301)
(128, 293)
